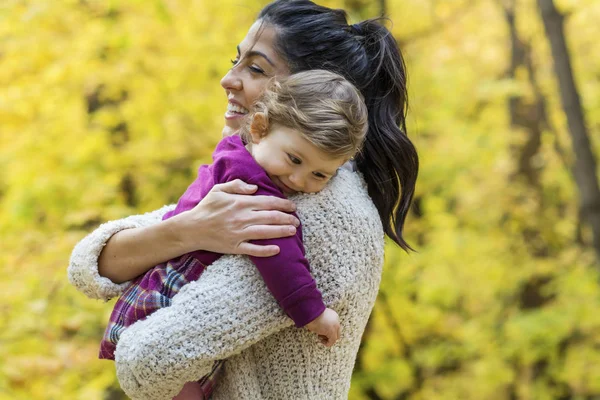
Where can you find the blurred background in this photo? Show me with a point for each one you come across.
(108, 107)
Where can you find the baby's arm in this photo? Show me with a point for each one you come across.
(287, 275)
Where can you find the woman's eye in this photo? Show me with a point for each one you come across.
(318, 175)
(294, 159)
(252, 68)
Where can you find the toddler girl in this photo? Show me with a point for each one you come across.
(302, 129)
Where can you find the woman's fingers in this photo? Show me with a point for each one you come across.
(271, 203)
(258, 203)
(230, 215)
(272, 218)
(236, 186)
(264, 232)
(261, 232)
(258, 251)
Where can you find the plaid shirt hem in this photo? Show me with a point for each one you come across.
(209, 381)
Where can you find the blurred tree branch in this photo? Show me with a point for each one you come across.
(584, 167)
(382, 8)
(522, 114)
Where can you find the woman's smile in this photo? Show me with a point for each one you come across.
(256, 62)
(235, 110)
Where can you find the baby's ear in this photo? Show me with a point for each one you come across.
(259, 127)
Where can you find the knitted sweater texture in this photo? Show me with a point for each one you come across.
(230, 314)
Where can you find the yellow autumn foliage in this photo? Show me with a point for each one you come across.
(108, 107)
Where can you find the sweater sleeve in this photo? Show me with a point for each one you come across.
(83, 265)
(229, 308)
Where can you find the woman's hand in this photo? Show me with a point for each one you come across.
(224, 221)
(229, 216)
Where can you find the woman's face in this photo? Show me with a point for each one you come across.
(256, 62)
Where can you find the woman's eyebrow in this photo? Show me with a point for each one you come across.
(254, 53)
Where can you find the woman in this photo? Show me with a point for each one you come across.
(228, 313)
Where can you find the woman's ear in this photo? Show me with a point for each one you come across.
(259, 127)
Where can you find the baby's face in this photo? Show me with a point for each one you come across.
(293, 163)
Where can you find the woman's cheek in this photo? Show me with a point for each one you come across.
(257, 89)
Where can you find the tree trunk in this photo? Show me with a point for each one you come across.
(585, 163)
(527, 120)
(523, 115)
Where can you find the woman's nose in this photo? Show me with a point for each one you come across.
(231, 80)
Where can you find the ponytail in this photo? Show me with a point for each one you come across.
(310, 36)
(389, 160)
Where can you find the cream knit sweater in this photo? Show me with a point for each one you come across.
(229, 313)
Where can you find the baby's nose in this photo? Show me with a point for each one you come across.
(297, 181)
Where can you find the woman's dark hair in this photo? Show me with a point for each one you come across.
(310, 36)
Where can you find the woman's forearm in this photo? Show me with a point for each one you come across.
(83, 269)
(231, 310)
(131, 252)
(223, 222)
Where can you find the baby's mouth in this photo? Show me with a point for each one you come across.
(285, 188)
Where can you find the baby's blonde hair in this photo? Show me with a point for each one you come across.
(327, 109)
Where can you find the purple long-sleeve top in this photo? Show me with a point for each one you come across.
(287, 274)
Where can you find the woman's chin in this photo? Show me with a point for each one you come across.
(229, 131)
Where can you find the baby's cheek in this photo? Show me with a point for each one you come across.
(268, 166)
(317, 187)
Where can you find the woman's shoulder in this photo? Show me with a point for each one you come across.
(343, 237)
(342, 215)
(345, 198)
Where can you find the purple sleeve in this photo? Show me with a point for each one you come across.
(194, 193)
(288, 278)
(287, 274)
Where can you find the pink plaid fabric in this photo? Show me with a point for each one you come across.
(148, 293)
(209, 382)
(202, 389)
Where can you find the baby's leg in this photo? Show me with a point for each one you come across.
(190, 391)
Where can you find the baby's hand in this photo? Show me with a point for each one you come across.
(327, 326)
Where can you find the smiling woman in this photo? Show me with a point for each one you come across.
(229, 313)
(256, 62)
